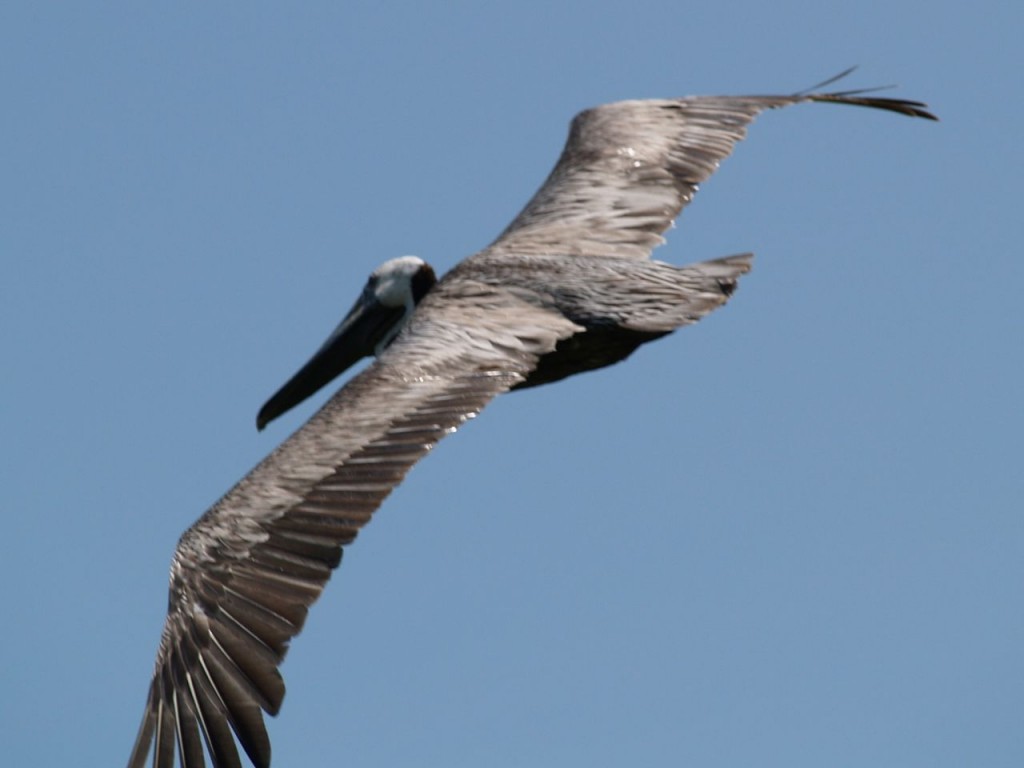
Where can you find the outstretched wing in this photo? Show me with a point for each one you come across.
(628, 169)
(244, 576)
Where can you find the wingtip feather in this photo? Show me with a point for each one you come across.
(144, 739)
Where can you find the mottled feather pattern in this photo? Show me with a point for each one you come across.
(241, 585)
(629, 168)
(567, 287)
(589, 291)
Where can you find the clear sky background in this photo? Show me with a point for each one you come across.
(792, 535)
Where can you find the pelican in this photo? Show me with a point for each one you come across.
(568, 287)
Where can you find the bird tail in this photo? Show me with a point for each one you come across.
(683, 295)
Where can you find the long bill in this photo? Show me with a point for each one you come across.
(355, 337)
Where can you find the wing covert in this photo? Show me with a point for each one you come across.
(625, 173)
(628, 169)
(244, 576)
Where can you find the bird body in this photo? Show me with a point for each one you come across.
(568, 287)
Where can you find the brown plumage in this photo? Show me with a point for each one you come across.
(567, 287)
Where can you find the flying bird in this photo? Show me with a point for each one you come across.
(568, 287)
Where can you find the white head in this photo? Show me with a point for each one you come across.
(398, 283)
(401, 282)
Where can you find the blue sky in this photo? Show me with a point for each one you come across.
(791, 535)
